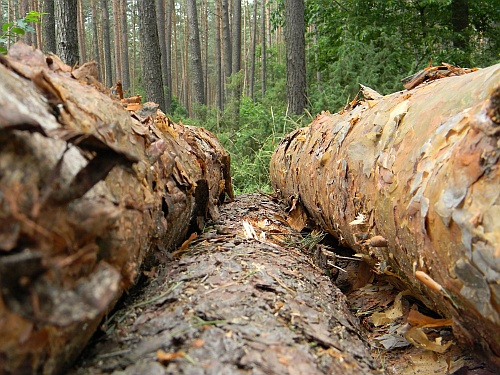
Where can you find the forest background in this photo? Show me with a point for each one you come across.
(222, 64)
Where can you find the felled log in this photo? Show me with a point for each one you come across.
(412, 181)
(87, 193)
(235, 301)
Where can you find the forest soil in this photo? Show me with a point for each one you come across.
(252, 296)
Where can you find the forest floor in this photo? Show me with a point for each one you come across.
(252, 296)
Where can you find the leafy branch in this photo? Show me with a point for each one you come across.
(19, 27)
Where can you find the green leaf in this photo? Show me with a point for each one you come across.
(3, 50)
(6, 26)
(33, 16)
(18, 30)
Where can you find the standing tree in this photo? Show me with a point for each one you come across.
(107, 43)
(67, 37)
(117, 39)
(236, 56)
(226, 42)
(168, 43)
(160, 23)
(263, 48)
(124, 49)
(295, 56)
(48, 26)
(218, 57)
(195, 52)
(95, 38)
(81, 31)
(150, 53)
(252, 50)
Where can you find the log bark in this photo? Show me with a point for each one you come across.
(237, 300)
(411, 181)
(88, 192)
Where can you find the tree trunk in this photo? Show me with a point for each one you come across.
(86, 197)
(38, 26)
(175, 55)
(264, 50)
(206, 83)
(411, 181)
(195, 53)
(81, 31)
(226, 50)
(49, 26)
(95, 39)
(135, 39)
(150, 53)
(108, 71)
(236, 60)
(168, 43)
(252, 51)
(295, 56)
(124, 46)
(67, 37)
(219, 85)
(160, 23)
(117, 40)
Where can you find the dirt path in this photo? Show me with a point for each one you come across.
(234, 305)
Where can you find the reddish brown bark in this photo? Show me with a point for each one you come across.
(87, 193)
(411, 181)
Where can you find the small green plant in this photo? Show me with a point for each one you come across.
(19, 27)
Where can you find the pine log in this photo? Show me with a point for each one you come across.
(88, 192)
(411, 181)
(237, 300)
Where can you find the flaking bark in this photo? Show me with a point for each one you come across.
(421, 170)
(88, 191)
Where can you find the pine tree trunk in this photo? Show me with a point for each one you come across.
(95, 39)
(67, 37)
(108, 71)
(49, 26)
(236, 60)
(264, 50)
(86, 198)
(168, 43)
(161, 24)
(81, 32)
(38, 27)
(124, 46)
(411, 180)
(219, 84)
(117, 40)
(151, 55)
(206, 83)
(226, 50)
(295, 56)
(252, 51)
(195, 54)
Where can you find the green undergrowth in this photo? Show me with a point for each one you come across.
(250, 141)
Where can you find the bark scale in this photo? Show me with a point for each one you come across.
(419, 169)
(88, 192)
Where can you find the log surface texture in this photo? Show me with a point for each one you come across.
(412, 181)
(88, 192)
